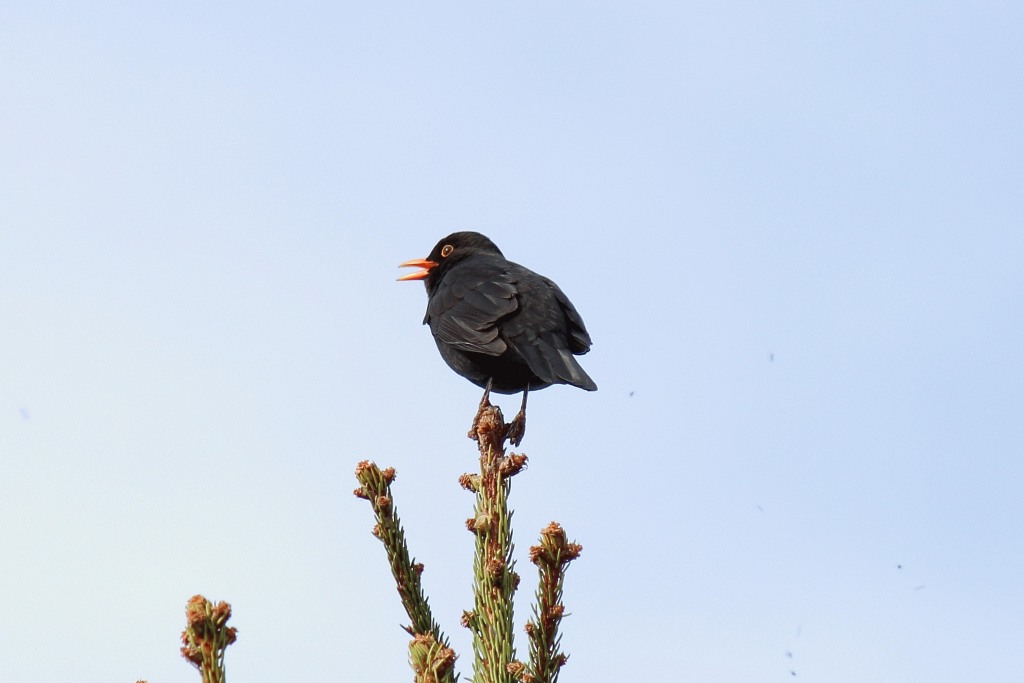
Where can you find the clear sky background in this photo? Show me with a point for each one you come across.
(794, 230)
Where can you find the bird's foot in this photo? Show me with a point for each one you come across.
(485, 403)
(516, 429)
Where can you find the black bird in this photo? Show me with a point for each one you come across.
(498, 324)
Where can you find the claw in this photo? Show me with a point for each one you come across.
(485, 403)
(517, 427)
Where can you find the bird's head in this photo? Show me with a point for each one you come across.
(451, 250)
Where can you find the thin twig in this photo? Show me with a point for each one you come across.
(552, 557)
(495, 580)
(207, 636)
(437, 660)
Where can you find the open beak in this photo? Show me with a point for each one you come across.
(417, 263)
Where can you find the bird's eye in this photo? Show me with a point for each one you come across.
(446, 250)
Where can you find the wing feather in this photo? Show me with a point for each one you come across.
(465, 314)
(547, 332)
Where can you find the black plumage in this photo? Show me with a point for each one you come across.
(496, 322)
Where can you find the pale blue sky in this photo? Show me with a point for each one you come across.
(795, 232)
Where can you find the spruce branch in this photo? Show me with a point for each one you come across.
(431, 661)
(376, 488)
(206, 637)
(552, 558)
(494, 577)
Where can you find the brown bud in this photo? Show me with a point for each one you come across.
(513, 464)
(495, 568)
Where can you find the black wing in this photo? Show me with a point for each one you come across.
(465, 310)
(547, 331)
(579, 338)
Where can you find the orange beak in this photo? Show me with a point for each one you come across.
(417, 263)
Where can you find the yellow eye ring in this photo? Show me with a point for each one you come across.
(446, 250)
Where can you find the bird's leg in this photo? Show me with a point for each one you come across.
(486, 400)
(485, 403)
(517, 427)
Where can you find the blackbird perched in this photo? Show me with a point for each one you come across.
(498, 324)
